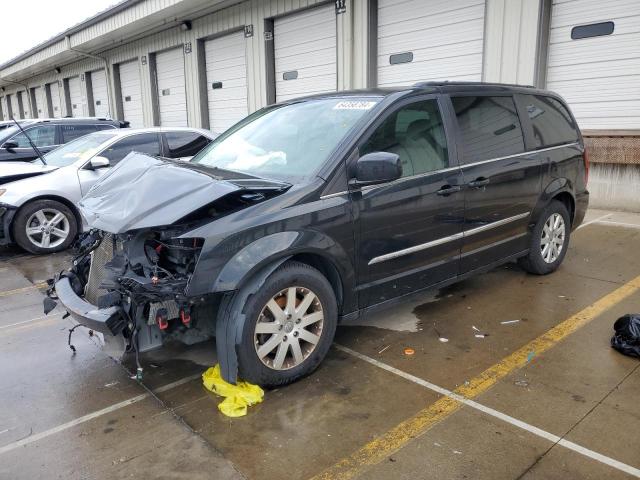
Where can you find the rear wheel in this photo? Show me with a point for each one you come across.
(44, 226)
(549, 241)
(290, 325)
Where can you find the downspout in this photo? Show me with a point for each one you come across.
(107, 71)
(26, 89)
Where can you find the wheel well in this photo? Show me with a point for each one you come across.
(62, 200)
(567, 199)
(327, 268)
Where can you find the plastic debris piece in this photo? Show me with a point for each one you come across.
(237, 397)
(409, 351)
(443, 340)
(480, 335)
(521, 383)
(384, 349)
(626, 339)
(509, 322)
(530, 356)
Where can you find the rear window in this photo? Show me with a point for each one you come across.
(489, 126)
(551, 122)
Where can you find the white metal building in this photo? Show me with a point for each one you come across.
(208, 63)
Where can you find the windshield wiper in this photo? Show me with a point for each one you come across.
(30, 142)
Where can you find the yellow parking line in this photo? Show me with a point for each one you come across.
(391, 441)
(23, 289)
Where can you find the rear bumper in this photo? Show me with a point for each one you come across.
(7, 212)
(104, 320)
(582, 203)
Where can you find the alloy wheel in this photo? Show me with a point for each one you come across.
(289, 328)
(47, 228)
(553, 235)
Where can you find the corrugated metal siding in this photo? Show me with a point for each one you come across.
(598, 76)
(511, 36)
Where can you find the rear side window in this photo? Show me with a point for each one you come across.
(104, 126)
(489, 126)
(148, 143)
(551, 122)
(184, 144)
(71, 132)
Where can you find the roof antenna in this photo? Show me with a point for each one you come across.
(33, 145)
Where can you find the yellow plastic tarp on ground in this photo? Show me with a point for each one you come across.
(237, 397)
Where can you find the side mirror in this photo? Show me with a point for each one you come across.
(98, 162)
(376, 167)
(10, 145)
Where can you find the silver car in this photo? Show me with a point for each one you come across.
(38, 202)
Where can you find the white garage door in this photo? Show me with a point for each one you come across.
(41, 103)
(226, 66)
(425, 41)
(24, 102)
(131, 94)
(15, 108)
(75, 95)
(305, 53)
(54, 91)
(2, 109)
(100, 94)
(172, 99)
(594, 61)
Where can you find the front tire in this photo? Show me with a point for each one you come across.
(44, 226)
(289, 327)
(549, 240)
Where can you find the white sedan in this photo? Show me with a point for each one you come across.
(38, 202)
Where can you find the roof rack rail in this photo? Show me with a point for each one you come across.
(456, 82)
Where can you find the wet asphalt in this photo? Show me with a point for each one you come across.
(82, 416)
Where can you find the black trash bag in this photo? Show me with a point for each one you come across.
(627, 337)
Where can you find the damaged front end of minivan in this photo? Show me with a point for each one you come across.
(130, 279)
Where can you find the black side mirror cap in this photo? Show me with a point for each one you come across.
(377, 167)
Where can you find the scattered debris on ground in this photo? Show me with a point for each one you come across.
(626, 339)
(479, 333)
(509, 322)
(409, 351)
(237, 397)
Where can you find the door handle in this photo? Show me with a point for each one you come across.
(447, 190)
(478, 182)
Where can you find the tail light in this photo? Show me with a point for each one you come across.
(585, 157)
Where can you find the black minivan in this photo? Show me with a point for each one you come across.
(311, 212)
(47, 134)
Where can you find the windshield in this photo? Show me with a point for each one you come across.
(288, 142)
(82, 148)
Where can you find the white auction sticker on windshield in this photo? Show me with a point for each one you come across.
(354, 105)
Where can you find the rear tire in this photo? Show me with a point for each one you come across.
(44, 226)
(549, 240)
(289, 326)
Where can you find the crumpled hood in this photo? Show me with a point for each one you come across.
(12, 171)
(144, 192)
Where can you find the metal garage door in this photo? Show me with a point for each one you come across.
(598, 74)
(54, 91)
(172, 98)
(226, 66)
(131, 94)
(100, 94)
(15, 108)
(2, 109)
(75, 96)
(434, 40)
(23, 101)
(305, 53)
(40, 105)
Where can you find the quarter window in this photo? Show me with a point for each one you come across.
(551, 122)
(416, 134)
(489, 126)
(71, 132)
(144, 143)
(184, 144)
(43, 136)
